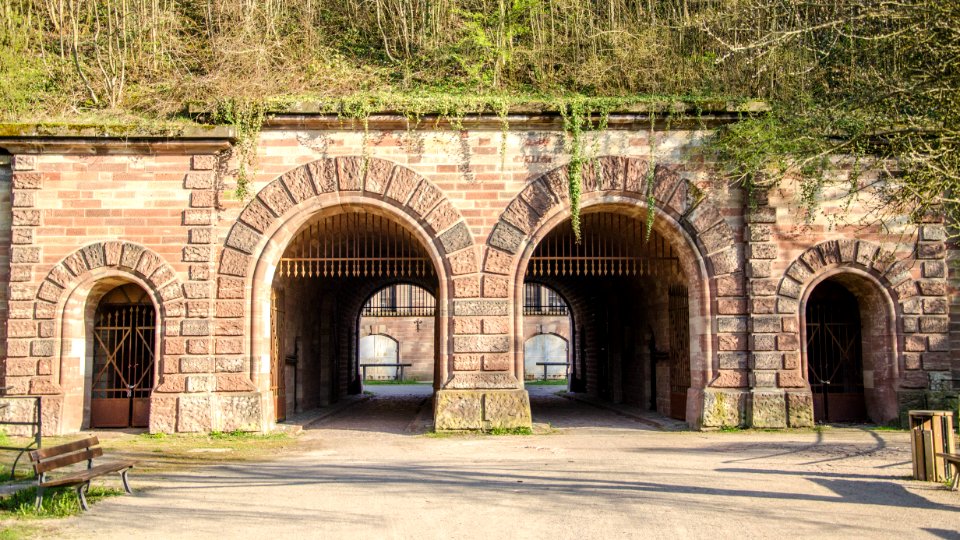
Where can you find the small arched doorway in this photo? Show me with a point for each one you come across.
(124, 346)
(834, 344)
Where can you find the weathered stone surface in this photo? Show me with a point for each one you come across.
(424, 198)
(520, 215)
(498, 262)
(229, 365)
(443, 216)
(768, 410)
(350, 173)
(467, 362)
(402, 184)
(234, 263)
(196, 253)
(163, 414)
(298, 184)
(497, 362)
(731, 324)
(558, 182)
(194, 413)
(27, 180)
(934, 324)
(799, 409)
(474, 344)
(725, 262)
(790, 379)
(766, 360)
(243, 238)
(723, 409)
(466, 287)
(25, 218)
(233, 382)
(203, 162)
(24, 254)
(732, 360)
(717, 238)
(456, 238)
(463, 262)
(196, 364)
(199, 327)
(229, 287)
(323, 174)
(239, 413)
(482, 381)
(506, 409)
(495, 287)
(257, 216)
(480, 307)
(378, 174)
(506, 237)
(199, 180)
(276, 198)
(730, 285)
(458, 410)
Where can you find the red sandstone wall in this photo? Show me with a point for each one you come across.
(181, 208)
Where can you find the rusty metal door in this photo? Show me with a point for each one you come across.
(123, 359)
(834, 357)
(277, 361)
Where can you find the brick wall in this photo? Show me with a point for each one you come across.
(163, 214)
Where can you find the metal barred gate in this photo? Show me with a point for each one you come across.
(679, 354)
(123, 359)
(277, 351)
(834, 355)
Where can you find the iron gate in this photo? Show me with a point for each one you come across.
(277, 358)
(834, 356)
(123, 359)
(679, 354)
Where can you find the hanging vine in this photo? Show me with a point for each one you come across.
(246, 117)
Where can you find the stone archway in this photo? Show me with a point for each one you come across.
(713, 265)
(906, 332)
(63, 306)
(269, 221)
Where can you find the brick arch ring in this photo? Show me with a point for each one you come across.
(876, 278)
(713, 265)
(62, 307)
(271, 219)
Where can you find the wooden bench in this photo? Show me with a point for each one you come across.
(49, 459)
(954, 461)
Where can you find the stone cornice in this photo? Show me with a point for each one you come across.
(112, 140)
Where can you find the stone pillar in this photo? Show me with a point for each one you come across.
(770, 370)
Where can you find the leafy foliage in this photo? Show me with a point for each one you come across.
(854, 78)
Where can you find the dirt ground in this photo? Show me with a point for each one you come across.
(370, 471)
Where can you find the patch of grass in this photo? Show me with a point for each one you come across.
(510, 431)
(886, 428)
(57, 503)
(238, 435)
(18, 531)
(379, 382)
(547, 382)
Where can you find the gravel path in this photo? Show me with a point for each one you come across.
(367, 472)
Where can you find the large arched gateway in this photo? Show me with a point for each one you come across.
(685, 295)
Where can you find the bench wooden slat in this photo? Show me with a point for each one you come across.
(87, 474)
(955, 458)
(67, 459)
(44, 453)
